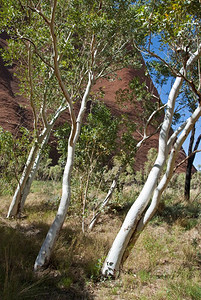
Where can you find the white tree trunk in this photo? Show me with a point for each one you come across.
(166, 177)
(113, 261)
(31, 168)
(14, 208)
(52, 235)
(34, 170)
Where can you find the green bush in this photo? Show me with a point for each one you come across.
(13, 155)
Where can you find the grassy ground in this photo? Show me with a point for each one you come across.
(165, 263)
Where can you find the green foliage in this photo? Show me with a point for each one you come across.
(142, 174)
(97, 141)
(139, 96)
(177, 181)
(43, 172)
(151, 157)
(55, 172)
(173, 211)
(98, 137)
(13, 152)
(93, 269)
(82, 28)
(175, 21)
(76, 22)
(139, 177)
(196, 179)
(173, 34)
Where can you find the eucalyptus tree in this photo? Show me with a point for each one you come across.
(176, 25)
(136, 94)
(64, 47)
(37, 84)
(94, 150)
(80, 41)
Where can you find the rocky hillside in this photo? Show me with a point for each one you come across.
(16, 112)
(14, 109)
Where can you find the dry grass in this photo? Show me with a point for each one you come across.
(165, 263)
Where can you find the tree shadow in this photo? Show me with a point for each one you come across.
(67, 272)
(186, 215)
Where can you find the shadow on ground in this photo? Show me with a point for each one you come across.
(66, 275)
(185, 214)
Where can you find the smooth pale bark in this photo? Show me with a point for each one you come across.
(166, 177)
(146, 136)
(52, 235)
(34, 170)
(113, 261)
(14, 209)
(31, 168)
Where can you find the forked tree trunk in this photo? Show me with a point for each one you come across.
(52, 235)
(31, 168)
(163, 182)
(14, 209)
(127, 232)
(33, 172)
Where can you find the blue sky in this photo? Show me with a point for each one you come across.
(164, 91)
(163, 94)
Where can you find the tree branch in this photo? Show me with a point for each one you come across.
(185, 159)
(39, 12)
(36, 50)
(31, 90)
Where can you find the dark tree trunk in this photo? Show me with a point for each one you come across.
(190, 163)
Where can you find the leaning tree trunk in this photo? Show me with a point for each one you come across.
(14, 209)
(33, 172)
(113, 261)
(52, 235)
(190, 161)
(31, 167)
(126, 234)
(107, 198)
(163, 182)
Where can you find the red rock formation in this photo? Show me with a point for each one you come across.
(121, 82)
(15, 110)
